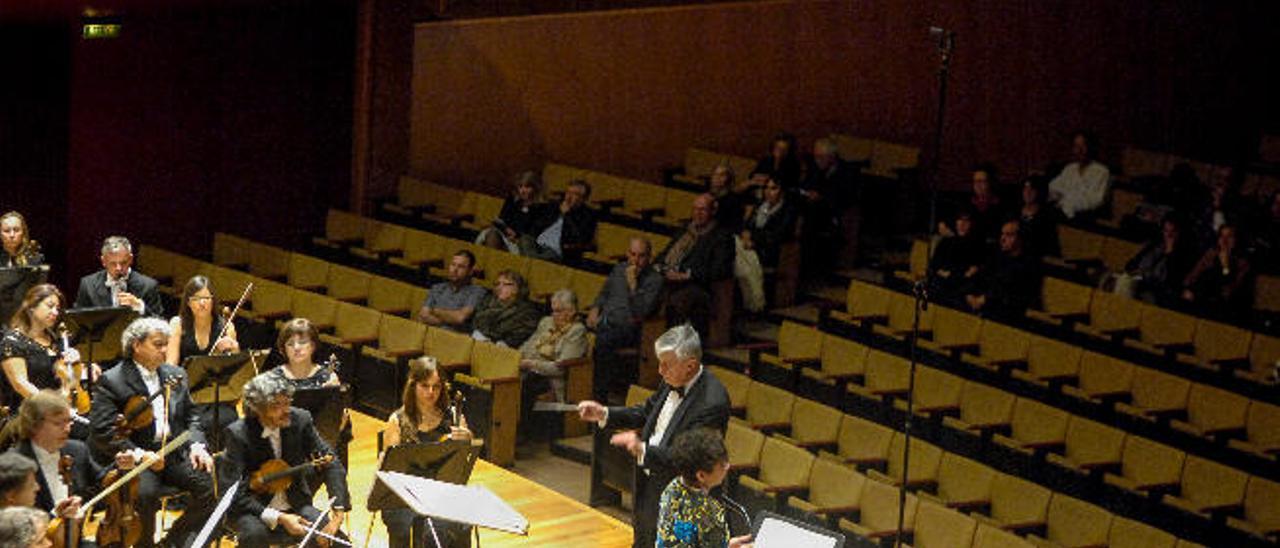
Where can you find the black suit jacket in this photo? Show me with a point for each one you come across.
(85, 474)
(114, 389)
(706, 405)
(94, 292)
(579, 227)
(709, 260)
(247, 450)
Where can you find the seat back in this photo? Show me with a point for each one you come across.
(397, 334)
(347, 284)
(954, 328)
(814, 423)
(638, 196)
(936, 389)
(383, 237)
(853, 149)
(1127, 533)
(799, 341)
(841, 356)
(1112, 312)
(768, 406)
(546, 277)
(1158, 391)
(1264, 355)
(448, 347)
(986, 536)
(964, 480)
(902, 314)
(271, 298)
(867, 299)
(1060, 297)
(1213, 409)
(1207, 484)
(586, 285)
(1116, 252)
(556, 177)
(783, 464)
(491, 361)
(343, 226)
(981, 404)
(320, 309)
(1148, 463)
(925, 459)
(833, 485)
(356, 322)
(887, 372)
(392, 296)
(1079, 245)
(1219, 341)
(887, 158)
(637, 394)
(1048, 358)
(1073, 522)
(942, 527)
(267, 261)
(1161, 326)
(1262, 425)
(1092, 443)
(1103, 374)
(998, 341)
(736, 384)
(1262, 504)
(421, 246)
(879, 504)
(229, 250)
(744, 444)
(1015, 500)
(862, 440)
(1037, 423)
(307, 272)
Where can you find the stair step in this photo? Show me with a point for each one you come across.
(576, 449)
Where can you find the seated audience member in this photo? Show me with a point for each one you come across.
(24, 527)
(450, 304)
(630, 294)
(830, 197)
(560, 337)
(1009, 282)
(1223, 206)
(1039, 223)
(771, 222)
(562, 230)
(18, 485)
(986, 212)
(1159, 268)
(517, 216)
(956, 258)
(1083, 185)
(16, 246)
(782, 162)
(701, 255)
(117, 284)
(687, 513)
(731, 204)
(1218, 283)
(506, 316)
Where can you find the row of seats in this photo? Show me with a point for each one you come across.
(1138, 163)
(623, 196)
(700, 162)
(879, 158)
(443, 203)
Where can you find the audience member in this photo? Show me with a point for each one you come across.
(117, 284)
(630, 294)
(956, 259)
(450, 304)
(1223, 206)
(771, 222)
(1039, 223)
(782, 162)
(1158, 269)
(701, 255)
(562, 230)
(830, 196)
(560, 338)
(1009, 282)
(1217, 284)
(731, 204)
(986, 212)
(516, 218)
(1083, 185)
(506, 316)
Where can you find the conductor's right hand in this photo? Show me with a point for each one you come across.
(590, 411)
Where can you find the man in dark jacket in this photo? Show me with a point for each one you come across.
(700, 256)
(562, 230)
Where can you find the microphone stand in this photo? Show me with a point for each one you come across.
(920, 288)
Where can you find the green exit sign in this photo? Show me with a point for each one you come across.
(93, 31)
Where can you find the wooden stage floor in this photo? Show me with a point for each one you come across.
(554, 519)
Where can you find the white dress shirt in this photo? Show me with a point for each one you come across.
(1081, 188)
(152, 380)
(279, 502)
(50, 467)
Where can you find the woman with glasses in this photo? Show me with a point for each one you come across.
(30, 346)
(424, 416)
(196, 326)
(297, 343)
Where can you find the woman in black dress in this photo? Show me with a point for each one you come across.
(16, 246)
(196, 325)
(29, 348)
(424, 417)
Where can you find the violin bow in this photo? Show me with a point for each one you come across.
(248, 290)
(133, 473)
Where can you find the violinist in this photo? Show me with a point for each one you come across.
(123, 388)
(195, 329)
(425, 415)
(16, 246)
(297, 343)
(18, 485)
(273, 437)
(23, 527)
(29, 349)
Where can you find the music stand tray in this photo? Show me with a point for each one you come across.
(326, 406)
(471, 505)
(91, 325)
(207, 375)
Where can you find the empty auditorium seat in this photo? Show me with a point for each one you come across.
(341, 229)
(546, 277)
(1261, 509)
(983, 409)
(1016, 504)
(1111, 315)
(953, 331)
(1218, 345)
(1147, 467)
(1078, 247)
(1102, 379)
(923, 467)
(1061, 301)
(813, 425)
(1000, 347)
(380, 240)
(834, 493)
(270, 301)
(878, 517)
(1116, 252)
(1212, 412)
(861, 443)
(887, 375)
(1262, 430)
(987, 536)
(769, 407)
(841, 360)
(347, 284)
(321, 310)
(901, 317)
(451, 349)
(269, 262)
(798, 345)
(1208, 488)
(744, 444)
(1127, 533)
(307, 272)
(1161, 330)
(936, 391)
(1050, 362)
(230, 251)
(1156, 394)
(421, 250)
(586, 285)
(395, 297)
(737, 384)
(865, 302)
(354, 326)
(784, 470)
(1035, 427)
(962, 484)
(1264, 359)
(942, 527)
(1091, 446)
(1072, 522)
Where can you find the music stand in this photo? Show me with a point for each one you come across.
(14, 283)
(470, 505)
(447, 462)
(93, 323)
(208, 374)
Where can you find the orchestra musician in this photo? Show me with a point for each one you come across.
(424, 416)
(23, 527)
(297, 343)
(16, 246)
(117, 284)
(18, 485)
(29, 349)
(195, 329)
(274, 435)
(139, 375)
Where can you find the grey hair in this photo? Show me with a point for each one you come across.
(260, 390)
(683, 340)
(565, 296)
(20, 526)
(14, 469)
(116, 243)
(140, 329)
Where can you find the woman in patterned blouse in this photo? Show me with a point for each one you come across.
(688, 516)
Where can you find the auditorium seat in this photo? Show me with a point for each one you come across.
(889, 160)
(987, 536)
(378, 375)
(917, 263)
(341, 229)
(1073, 523)
(1050, 362)
(181, 269)
(1262, 431)
(380, 240)
(1147, 467)
(450, 348)
(813, 426)
(925, 460)
(320, 309)
(1111, 315)
(1036, 427)
(1077, 247)
(736, 384)
(1091, 447)
(1127, 533)
(1261, 509)
(1156, 395)
(1061, 301)
(784, 470)
(556, 177)
(307, 272)
(586, 286)
(499, 261)
(878, 518)
(1208, 488)
(983, 409)
(1123, 204)
(901, 317)
(677, 209)
(887, 375)
(1116, 252)
(936, 391)
(1218, 345)
(493, 404)
(347, 284)
(744, 444)
(866, 302)
(421, 250)
(230, 251)
(354, 326)
(228, 284)
(397, 338)
(1000, 347)
(953, 331)
(641, 200)
(1016, 504)
(1213, 412)
(606, 190)
(1161, 330)
(861, 443)
(546, 277)
(1103, 379)
(268, 262)
(939, 526)
(412, 196)
(395, 297)
(962, 484)
(270, 301)
(1264, 354)
(769, 407)
(842, 360)
(834, 493)
(798, 346)
(856, 150)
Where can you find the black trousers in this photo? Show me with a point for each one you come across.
(177, 475)
(403, 526)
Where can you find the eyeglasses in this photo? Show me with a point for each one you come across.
(200, 299)
(298, 343)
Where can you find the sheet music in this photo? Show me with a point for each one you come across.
(472, 505)
(778, 533)
(223, 504)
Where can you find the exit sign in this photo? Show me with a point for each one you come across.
(93, 31)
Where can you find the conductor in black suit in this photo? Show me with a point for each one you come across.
(274, 429)
(143, 372)
(117, 284)
(689, 397)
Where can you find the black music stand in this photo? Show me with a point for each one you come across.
(91, 325)
(14, 283)
(208, 374)
(448, 461)
(326, 405)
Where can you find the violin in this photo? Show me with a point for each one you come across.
(137, 411)
(70, 375)
(275, 475)
(122, 525)
(65, 532)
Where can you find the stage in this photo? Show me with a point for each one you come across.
(554, 519)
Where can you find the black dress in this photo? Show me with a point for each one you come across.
(337, 436)
(40, 360)
(188, 346)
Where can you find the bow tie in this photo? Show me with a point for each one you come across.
(680, 390)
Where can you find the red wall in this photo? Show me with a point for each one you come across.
(628, 91)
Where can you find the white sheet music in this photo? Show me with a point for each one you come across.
(472, 505)
(776, 533)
